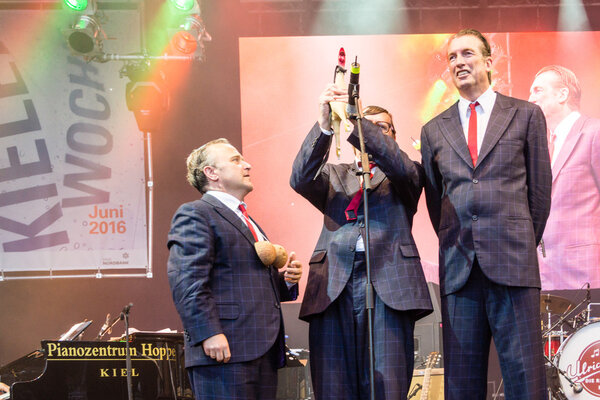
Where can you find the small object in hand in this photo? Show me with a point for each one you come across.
(281, 256)
(266, 252)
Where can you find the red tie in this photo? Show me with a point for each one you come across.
(352, 209)
(245, 214)
(473, 132)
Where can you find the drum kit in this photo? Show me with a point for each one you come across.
(571, 339)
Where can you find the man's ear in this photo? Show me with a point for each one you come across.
(563, 95)
(489, 63)
(210, 173)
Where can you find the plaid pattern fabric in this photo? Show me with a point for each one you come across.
(250, 380)
(489, 218)
(219, 284)
(496, 210)
(339, 357)
(396, 270)
(334, 297)
(572, 234)
(471, 316)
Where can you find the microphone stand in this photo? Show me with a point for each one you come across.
(369, 292)
(577, 388)
(125, 316)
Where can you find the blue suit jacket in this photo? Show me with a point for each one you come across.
(219, 284)
(497, 209)
(396, 269)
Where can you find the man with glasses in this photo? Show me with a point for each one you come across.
(334, 301)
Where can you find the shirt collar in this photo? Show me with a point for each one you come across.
(229, 200)
(565, 126)
(486, 102)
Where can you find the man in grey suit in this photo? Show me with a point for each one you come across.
(570, 256)
(228, 300)
(334, 301)
(488, 196)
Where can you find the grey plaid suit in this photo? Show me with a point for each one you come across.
(333, 302)
(489, 218)
(219, 285)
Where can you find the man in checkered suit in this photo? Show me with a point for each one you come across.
(228, 301)
(334, 301)
(489, 207)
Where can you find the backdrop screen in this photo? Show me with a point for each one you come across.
(282, 77)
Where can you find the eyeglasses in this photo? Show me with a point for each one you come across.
(385, 127)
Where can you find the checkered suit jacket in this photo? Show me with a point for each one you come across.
(497, 209)
(396, 186)
(219, 284)
(572, 234)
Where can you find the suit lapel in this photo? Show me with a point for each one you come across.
(230, 216)
(502, 113)
(568, 146)
(352, 183)
(454, 134)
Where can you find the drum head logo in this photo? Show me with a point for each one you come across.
(586, 369)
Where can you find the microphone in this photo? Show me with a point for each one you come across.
(578, 388)
(126, 309)
(353, 88)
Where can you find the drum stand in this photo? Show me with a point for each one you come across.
(557, 393)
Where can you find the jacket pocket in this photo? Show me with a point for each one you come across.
(318, 257)
(409, 250)
(228, 310)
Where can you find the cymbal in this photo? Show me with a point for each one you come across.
(550, 303)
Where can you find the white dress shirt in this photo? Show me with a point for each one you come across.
(233, 204)
(562, 131)
(484, 110)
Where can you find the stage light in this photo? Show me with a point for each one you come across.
(146, 95)
(185, 6)
(84, 36)
(188, 39)
(76, 5)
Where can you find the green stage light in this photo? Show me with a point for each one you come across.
(184, 6)
(77, 5)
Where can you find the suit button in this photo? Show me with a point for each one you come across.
(277, 305)
(474, 217)
(475, 181)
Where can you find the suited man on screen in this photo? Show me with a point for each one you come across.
(228, 301)
(488, 196)
(570, 254)
(334, 301)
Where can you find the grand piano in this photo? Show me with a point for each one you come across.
(95, 370)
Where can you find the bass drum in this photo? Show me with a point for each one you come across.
(579, 359)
